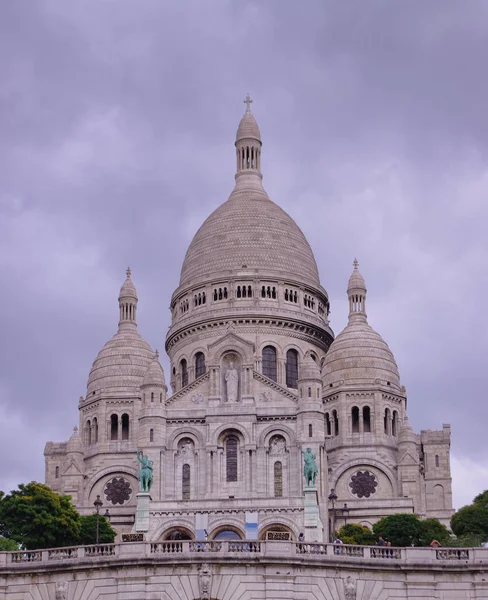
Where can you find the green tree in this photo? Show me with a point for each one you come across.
(352, 533)
(8, 545)
(400, 529)
(37, 517)
(471, 520)
(88, 532)
(432, 529)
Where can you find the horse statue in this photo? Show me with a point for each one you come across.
(145, 472)
(309, 467)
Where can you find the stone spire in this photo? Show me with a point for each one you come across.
(248, 146)
(128, 303)
(356, 292)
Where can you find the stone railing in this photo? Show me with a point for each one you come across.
(174, 551)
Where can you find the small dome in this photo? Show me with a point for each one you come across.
(128, 289)
(309, 369)
(356, 281)
(154, 374)
(407, 434)
(121, 364)
(74, 443)
(359, 355)
(248, 128)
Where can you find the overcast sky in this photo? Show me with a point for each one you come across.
(117, 124)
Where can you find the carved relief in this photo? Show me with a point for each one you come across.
(349, 588)
(277, 445)
(186, 447)
(118, 490)
(363, 484)
(205, 581)
(61, 590)
(197, 399)
(266, 396)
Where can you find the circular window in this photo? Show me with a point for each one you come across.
(363, 484)
(118, 490)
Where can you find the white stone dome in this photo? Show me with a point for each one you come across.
(249, 231)
(121, 364)
(248, 128)
(154, 375)
(359, 355)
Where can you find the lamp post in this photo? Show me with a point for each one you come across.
(107, 514)
(332, 498)
(98, 505)
(345, 513)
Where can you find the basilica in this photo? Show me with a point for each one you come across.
(258, 382)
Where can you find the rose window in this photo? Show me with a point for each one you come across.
(363, 484)
(118, 490)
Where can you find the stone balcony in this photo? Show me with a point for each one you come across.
(178, 552)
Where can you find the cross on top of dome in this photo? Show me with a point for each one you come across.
(248, 102)
(355, 264)
(128, 272)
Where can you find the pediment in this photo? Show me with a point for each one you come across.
(408, 460)
(232, 341)
(194, 394)
(267, 391)
(72, 469)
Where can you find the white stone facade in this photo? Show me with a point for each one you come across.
(256, 378)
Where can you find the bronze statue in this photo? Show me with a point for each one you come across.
(145, 472)
(309, 467)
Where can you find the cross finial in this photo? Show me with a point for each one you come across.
(128, 272)
(355, 263)
(248, 102)
(157, 353)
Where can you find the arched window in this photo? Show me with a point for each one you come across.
(184, 372)
(278, 479)
(238, 294)
(436, 460)
(328, 428)
(199, 364)
(292, 369)
(269, 362)
(355, 419)
(151, 435)
(152, 396)
(88, 433)
(336, 422)
(231, 444)
(310, 430)
(185, 482)
(387, 419)
(309, 392)
(57, 473)
(95, 431)
(394, 424)
(125, 426)
(114, 427)
(367, 419)
(161, 396)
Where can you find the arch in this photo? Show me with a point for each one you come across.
(278, 478)
(125, 426)
(88, 433)
(437, 460)
(328, 427)
(386, 421)
(366, 419)
(270, 363)
(438, 496)
(355, 419)
(217, 435)
(151, 435)
(56, 472)
(336, 422)
(276, 429)
(114, 427)
(394, 424)
(359, 462)
(231, 457)
(185, 431)
(111, 471)
(171, 533)
(95, 430)
(223, 528)
(199, 364)
(310, 430)
(184, 372)
(278, 528)
(291, 368)
(185, 482)
(277, 521)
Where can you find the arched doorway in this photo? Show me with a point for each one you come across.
(226, 532)
(177, 534)
(277, 532)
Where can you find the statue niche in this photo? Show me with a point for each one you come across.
(231, 372)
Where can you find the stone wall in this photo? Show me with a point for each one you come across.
(244, 570)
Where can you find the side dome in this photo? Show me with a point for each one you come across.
(154, 375)
(359, 355)
(123, 361)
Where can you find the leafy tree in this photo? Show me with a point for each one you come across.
(432, 529)
(400, 529)
(356, 534)
(471, 520)
(88, 532)
(37, 517)
(8, 545)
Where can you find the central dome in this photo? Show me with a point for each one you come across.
(249, 231)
